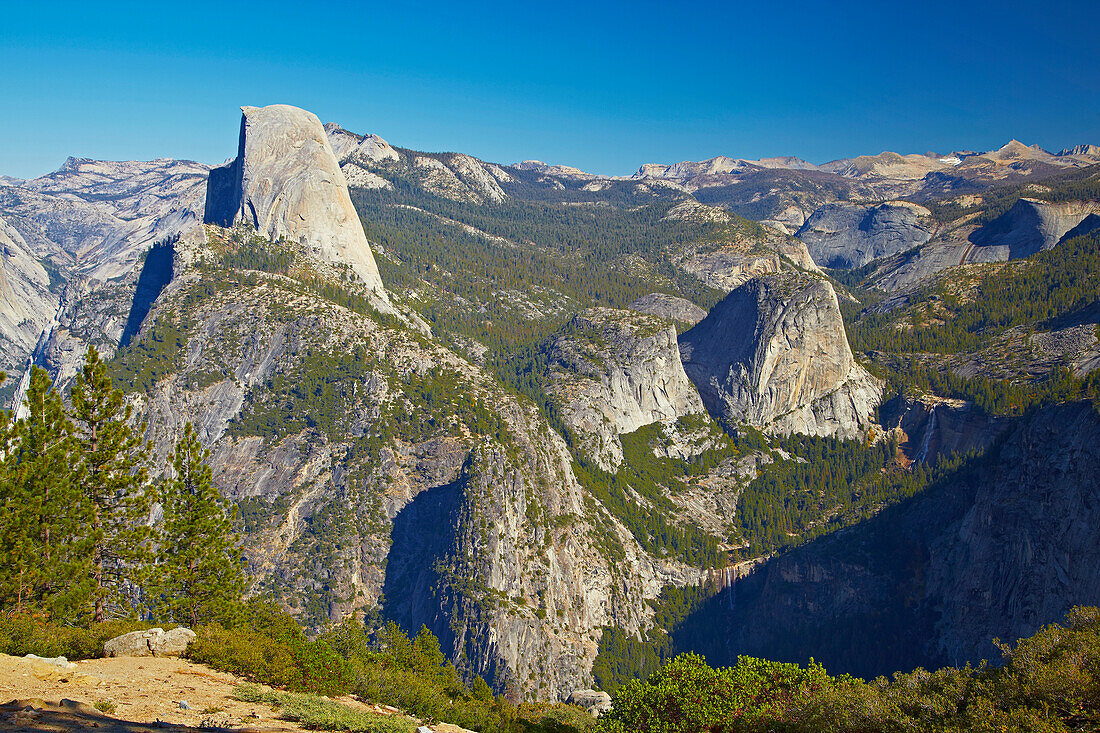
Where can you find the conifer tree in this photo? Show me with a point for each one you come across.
(111, 477)
(42, 544)
(198, 576)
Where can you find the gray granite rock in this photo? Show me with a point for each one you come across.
(774, 354)
(614, 371)
(849, 235)
(26, 302)
(669, 307)
(155, 642)
(594, 701)
(287, 183)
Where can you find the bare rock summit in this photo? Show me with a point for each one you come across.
(287, 183)
(849, 235)
(774, 354)
(669, 307)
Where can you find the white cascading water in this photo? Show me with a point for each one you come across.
(730, 577)
(922, 454)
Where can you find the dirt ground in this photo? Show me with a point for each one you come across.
(139, 694)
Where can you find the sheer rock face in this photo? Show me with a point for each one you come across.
(851, 235)
(1028, 227)
(486, 537)
(26, 303)
(287, 183)
(774, 354)
(615, 371)
(996, 552)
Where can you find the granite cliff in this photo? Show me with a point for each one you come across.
(26, 302)
(614, 371)
(774, 354)
(287, 184)
(849, 235)
(994, 551)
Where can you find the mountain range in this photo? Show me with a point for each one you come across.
(520, 404)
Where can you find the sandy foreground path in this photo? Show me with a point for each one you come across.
(143, 691)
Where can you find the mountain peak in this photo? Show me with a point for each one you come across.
(1092, 151)
(287, 182)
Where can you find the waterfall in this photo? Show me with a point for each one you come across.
(729, 584)
(922, 454)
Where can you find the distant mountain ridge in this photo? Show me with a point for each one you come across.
(1013, 150)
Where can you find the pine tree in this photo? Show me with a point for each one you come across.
(111, 477)
(480, 690)
(42, 544)
(426, 654)
(198, 576)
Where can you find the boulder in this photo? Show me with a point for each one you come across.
(173, 643)
(59, 662)
(154, 642)
(594, 701)
(774, 354)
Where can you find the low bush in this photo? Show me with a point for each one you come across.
(321, 713)
(1049, 683)
(22, 634)
(262, 643)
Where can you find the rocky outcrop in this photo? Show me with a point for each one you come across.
(847, 235)
(286, 183)
(559, 171)
(774, 354)
(1028, 227)
(363, 150)
(996, 550)
(614, 371)
(155, 642)
(669, 307)
(596, 702)
(459, 177)
(26, 302)
(741, 256)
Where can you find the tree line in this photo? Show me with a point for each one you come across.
(86, 535)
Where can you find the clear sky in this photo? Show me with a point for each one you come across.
(603, 86)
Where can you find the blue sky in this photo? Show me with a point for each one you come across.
(603, 86)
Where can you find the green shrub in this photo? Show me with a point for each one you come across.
(1049, 683)
(21, 635)
(687, 696)
(324, 714)
(262, 643)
